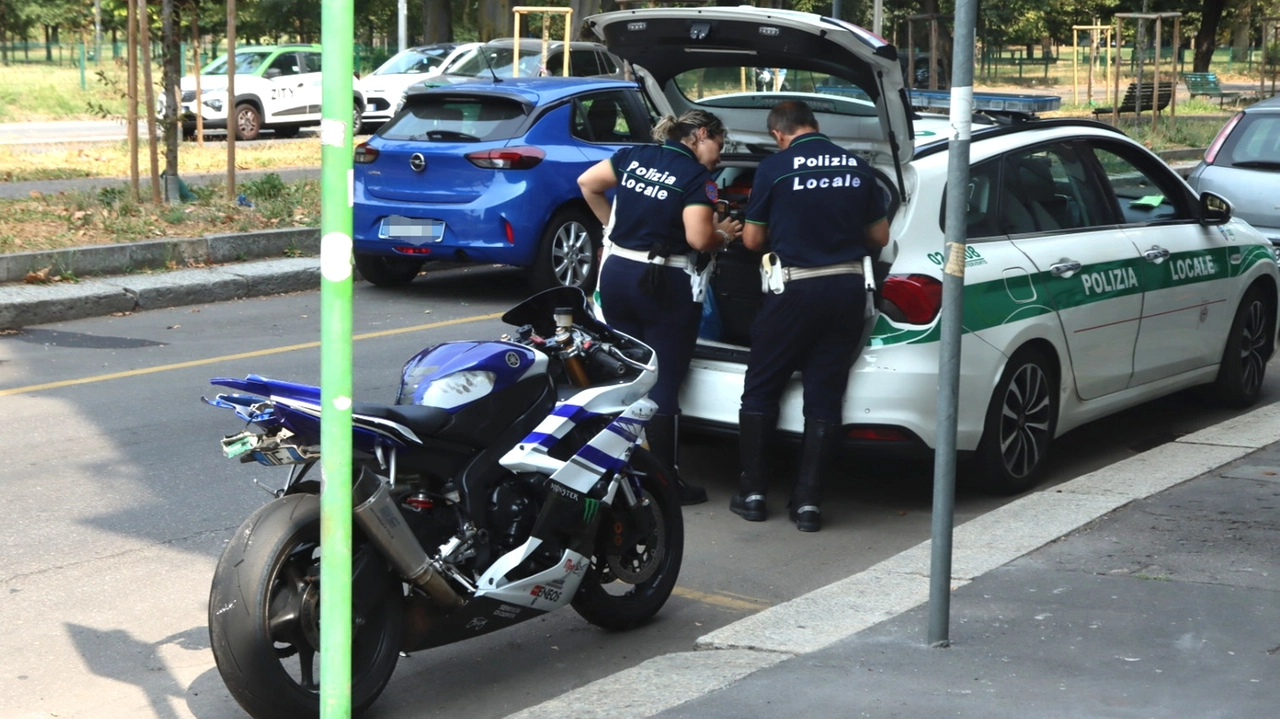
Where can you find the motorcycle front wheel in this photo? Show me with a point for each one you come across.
(264, 614)
(635, 567)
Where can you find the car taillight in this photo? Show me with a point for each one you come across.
(915, 299)
(1211, 154)
(365, 154)
(508, 158)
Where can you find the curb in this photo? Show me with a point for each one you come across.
(899, 584)
(22, 305)
(158, 255)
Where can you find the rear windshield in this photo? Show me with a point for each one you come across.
(456, 119)
(1257, 139)
(752, 87)
(499, 60)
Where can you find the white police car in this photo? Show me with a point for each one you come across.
(1095, 279)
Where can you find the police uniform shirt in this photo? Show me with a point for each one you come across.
(655, 184)
(817, 199)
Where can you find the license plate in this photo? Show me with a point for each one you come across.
(412, 229)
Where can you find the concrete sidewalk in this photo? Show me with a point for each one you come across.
(1150, 588)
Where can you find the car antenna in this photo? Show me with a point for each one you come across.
(485, 56)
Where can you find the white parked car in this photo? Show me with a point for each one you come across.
(278, 87)
(383, 88)
(1095, 279)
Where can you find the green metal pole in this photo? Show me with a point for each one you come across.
(82, 60)
(336, 23)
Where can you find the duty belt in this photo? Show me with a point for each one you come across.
(790, 274)
(681, 261)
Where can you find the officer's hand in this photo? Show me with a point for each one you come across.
(731, 227)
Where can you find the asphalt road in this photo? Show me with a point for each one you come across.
(115, 503)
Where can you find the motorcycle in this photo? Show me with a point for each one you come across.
(507, 480)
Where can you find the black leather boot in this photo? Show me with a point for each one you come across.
(663, 432)
(821, 443)
(755, 448)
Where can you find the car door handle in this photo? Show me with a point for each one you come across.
(1156, 254)
(1062, 269)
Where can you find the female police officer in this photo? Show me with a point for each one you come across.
(650, 288)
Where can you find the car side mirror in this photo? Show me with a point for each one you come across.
(1214, 209)
(272, 72)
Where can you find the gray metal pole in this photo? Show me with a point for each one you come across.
(402, 25)
(877, 18)
(835, 9)
(944, 467)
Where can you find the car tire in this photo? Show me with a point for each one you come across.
(1019, 425)
(567, 254)
(1248, 349)
(357, 119)
(388, 271)
(248, 122)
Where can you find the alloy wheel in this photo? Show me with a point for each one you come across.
(1025, 420)
(571, 254)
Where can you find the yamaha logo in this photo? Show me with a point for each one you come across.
(513, 359)
(417, 162)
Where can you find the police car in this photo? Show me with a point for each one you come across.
(1095, 279)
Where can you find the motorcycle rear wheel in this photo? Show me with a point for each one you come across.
(264, 610)
(628, 584)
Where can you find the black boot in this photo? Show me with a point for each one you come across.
(821, 443)
(755, 448)
(663, 432)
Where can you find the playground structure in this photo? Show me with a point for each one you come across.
(1139, 60)
(519, 11)
(1106, 57)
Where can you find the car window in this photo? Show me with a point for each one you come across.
(286, 64)
(312, 61)
(755, 87)
(456, 119)
(1143, 192)
(246, 63)
(981, 219)
(583, 63)
(413, 62)
(1255, 139)
(603, 118)
(1047, 189)
(499, 61)
(607, 65)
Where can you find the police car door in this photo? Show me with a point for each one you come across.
(1185, 268)
(1053, 209)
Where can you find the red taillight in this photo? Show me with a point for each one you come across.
(510, 231)
(1211, 154)
(365, 154)
(878, 434)
(413, 250)
(918, 298)
(508, 158)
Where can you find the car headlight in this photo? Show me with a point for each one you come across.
(215, 104)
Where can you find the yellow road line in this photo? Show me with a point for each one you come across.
(722, 600)
(242, 355)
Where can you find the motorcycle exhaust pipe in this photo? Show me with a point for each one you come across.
(383, 524)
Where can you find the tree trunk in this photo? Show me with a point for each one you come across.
(437, 21)
(493, 19)
(1207, 38)
(1240, 35)
(172, 98)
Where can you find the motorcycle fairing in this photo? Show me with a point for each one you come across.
(507, 362)
(273, 388)
(545, 591)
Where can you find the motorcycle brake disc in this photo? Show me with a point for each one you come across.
(636, 562)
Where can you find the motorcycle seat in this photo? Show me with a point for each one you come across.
(423, 421)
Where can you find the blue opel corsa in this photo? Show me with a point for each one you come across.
(486, 172)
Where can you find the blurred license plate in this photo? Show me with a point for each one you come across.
(411, 228)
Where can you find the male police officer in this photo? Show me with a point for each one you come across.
(817, 210)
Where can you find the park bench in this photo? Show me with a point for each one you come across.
(1130, 103)
(1206, 83)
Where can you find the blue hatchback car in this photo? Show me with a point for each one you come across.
(487, 172)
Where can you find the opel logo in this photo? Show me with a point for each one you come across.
(417, 162)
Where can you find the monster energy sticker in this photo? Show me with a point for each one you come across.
(589, 509)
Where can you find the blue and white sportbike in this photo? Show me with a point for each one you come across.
(508, 480)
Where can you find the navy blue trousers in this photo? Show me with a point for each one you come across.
(813, 327)
(667, 323)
